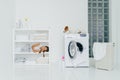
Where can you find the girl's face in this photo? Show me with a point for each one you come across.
(43, 48)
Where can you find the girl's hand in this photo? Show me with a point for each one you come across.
(43, 55)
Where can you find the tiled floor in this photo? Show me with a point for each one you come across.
(57, 71)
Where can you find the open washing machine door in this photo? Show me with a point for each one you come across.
(74, 48)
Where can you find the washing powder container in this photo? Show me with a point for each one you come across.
(103, 55)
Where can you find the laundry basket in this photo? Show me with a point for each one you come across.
(104, 55)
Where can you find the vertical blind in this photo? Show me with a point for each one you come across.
(98, 22)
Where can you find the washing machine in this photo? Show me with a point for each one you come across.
(76, 50)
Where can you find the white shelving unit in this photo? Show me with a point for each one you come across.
(23, 38)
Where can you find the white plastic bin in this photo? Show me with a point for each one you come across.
(105, 62)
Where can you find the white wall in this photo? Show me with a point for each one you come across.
(61, 13)
(115, 24)
(118, 29)
(55, 14)
(6, 25)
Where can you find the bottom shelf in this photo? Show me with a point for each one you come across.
(29, 64)
(38, 61)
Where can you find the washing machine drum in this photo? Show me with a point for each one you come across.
(73, 49)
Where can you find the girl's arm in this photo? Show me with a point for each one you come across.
(33, 47)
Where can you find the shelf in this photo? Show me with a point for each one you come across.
(31, 41)
(23, 40)
(31, 64)
(30, 53)
(32, 29)
(39, 61)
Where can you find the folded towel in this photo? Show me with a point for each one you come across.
(99, 50)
